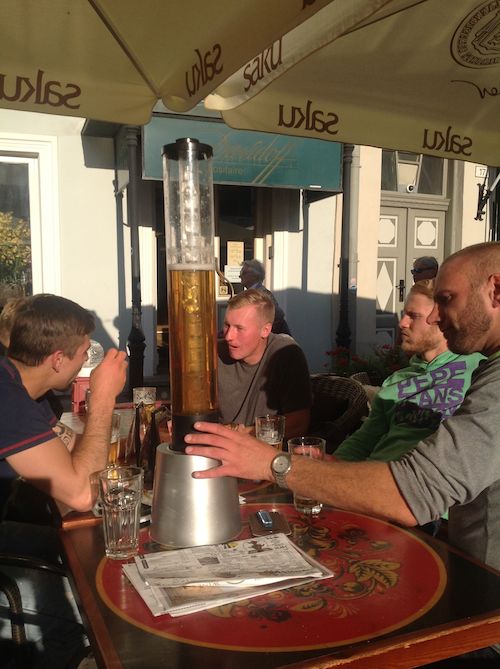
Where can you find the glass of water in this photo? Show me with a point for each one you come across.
(309, 447)
(271, 429)
(120, 494)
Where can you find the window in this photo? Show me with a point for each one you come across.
(15, 233)
(28, 214)
(406, 172)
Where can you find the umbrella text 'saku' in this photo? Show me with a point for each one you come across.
(112, 60)
(415, 75)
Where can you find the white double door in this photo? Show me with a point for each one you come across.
(404, 233)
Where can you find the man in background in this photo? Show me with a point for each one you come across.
(425, 267)
(252, 275)
(261, 372)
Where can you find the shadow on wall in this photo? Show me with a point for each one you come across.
(123, 323)
(313, 319)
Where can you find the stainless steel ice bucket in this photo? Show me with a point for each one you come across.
(188, 511)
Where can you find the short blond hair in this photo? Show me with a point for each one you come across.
(254, 298)
(424, 287)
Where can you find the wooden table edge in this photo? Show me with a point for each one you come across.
(411, 651)
(100, 641)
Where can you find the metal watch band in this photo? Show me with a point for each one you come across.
(280, 476)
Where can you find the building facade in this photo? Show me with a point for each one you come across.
(69, 182)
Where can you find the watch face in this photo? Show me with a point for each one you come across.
(281, 463)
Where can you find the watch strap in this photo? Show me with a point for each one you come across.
(280, 476)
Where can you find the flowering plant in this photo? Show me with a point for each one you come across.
(384, 360)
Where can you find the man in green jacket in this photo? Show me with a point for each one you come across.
(413, 401)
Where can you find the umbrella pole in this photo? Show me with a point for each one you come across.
(343, 333)
(136, 336)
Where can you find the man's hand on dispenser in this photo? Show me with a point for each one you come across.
(241, 455)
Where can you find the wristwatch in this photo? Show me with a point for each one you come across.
(280, 466)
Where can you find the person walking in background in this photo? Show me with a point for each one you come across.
(425, 267)
(252, 275)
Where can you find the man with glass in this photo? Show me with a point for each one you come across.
(456, 468)
(48, 345)
(259, 372)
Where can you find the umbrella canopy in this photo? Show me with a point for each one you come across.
(417, 75)
(113, 60)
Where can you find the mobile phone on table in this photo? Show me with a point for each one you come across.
(264, 522)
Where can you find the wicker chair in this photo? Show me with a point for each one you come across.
(370, 389)
(361, 377)
(339, 404)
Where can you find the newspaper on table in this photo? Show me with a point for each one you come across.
(193, 579)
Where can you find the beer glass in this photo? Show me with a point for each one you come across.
(271, 429)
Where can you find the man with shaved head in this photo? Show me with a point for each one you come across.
(457, 467)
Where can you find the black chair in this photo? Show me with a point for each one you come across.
(19, 651)
(339, 405)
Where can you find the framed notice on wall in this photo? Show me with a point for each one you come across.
(235, 253)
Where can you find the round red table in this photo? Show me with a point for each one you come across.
(384, 578)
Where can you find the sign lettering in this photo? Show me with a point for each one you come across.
(310, 119)
(204, 69)
(437, 140)
(265, 63)
(40, 92)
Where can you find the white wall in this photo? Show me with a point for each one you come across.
(93, 260)
(366, 179)
(92, 250)
(308, 305)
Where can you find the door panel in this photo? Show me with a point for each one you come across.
(404, 234)
(425, 236)
(391, 258)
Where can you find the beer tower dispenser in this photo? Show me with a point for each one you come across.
(188, 511)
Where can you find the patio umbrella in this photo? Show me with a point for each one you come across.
(416, 75)
(112, 60)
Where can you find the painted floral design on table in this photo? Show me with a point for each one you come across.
(361, 566)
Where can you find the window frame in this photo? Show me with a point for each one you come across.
(40, 154)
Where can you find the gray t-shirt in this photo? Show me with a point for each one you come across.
(279, 384)
(458, 467)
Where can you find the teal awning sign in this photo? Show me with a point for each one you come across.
(248, 158)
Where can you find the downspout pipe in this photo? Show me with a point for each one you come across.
(136, 338)
(343, 334)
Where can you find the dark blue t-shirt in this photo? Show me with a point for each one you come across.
(24, 422)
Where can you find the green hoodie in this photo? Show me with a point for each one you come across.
(410, 405)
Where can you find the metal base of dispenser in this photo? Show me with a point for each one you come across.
(192, 512)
